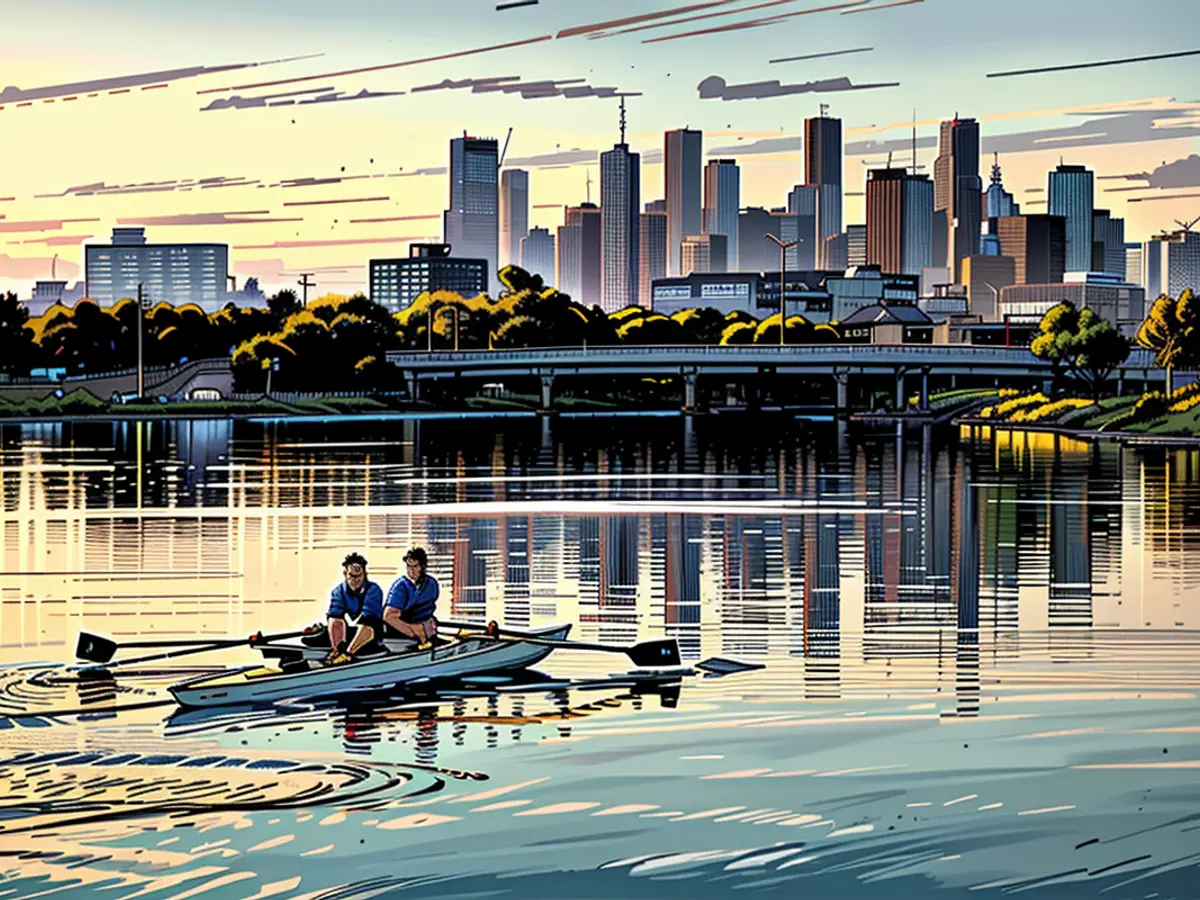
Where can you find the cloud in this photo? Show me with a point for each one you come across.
(428, 170)
(558, 158)
(60, 240)
(1094, 65)
(572, 88)
(714, 87)
(35, 267)
(379, 68)
(415, 218)
(868, 9)
(122, 83)
(644, 17)
(343, 242)
(335, 202)
(822, 55)
(237, 101)
(1164, 197)
(39, 225)
(1182, 173)
(273, 271)
(207, 218)
(755, 23)
(100, 188)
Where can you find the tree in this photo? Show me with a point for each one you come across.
(798, 331)
(652, 329)
(701, 326)
(738, 333)
(1172, 330)
(17, 348)
(1055, 331)
(283, 304)
(1096, 350)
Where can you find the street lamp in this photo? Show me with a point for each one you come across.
(142, 306)
(783, 248)
(271, 365)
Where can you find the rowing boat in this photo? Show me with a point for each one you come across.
(302, 672)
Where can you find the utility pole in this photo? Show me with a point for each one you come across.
(783, 248)
(141, 327)
(232, 279)
(306, 284)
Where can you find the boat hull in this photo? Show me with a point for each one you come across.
(459, 658)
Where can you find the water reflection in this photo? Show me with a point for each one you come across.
(805, 541)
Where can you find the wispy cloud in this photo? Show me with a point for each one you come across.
(754, 23)
(95, 87)
(343, 242)
(557, 158)
(867, 9)
(571, 88)
(1182, 173)
(100, 188)
(60, 240)
(714, 87)
(1094, 65)
(252, 217)
(324, 76)
(294, 98)
(34, 267)
(39, 225)
(337, 202)
(740, 10)
(416, 218)
(828, 53)
(644, 17)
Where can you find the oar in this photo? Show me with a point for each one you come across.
(648, 653)
(97, 649)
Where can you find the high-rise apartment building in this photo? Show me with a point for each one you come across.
(899, 221)
(722, 201)
(172, 273)
(514, 213)
(620, 207)
(579, 253)
(652, 252)
(1071, 194)
(537, 253)
(682, 152)
(471, 223)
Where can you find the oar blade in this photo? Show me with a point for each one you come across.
(655, 653)
(94, 648)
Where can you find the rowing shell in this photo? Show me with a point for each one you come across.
(304, 677)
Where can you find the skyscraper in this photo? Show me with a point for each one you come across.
(1108, 243)
(755, 252)
(899, 221)
(999, 202)
(682, 151)
(803, 203)
(1037, 245)
(514, 213)
(1071, 196)
(579, 248)
(171, 273)
(471, 224)
(537, 253)
(722, 200)
(1171, 263)
(957, 197)
(620, 206)
(652, 252)
(856, 245)
(823, 169)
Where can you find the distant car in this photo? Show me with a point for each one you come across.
(204, 394)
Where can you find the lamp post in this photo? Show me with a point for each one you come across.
(141, 327)
(271, 365)
(783, 248)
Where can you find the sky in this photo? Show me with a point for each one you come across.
(312, 136)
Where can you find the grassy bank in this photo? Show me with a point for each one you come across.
(1154, 413)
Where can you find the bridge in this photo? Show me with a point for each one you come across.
(173, 382)
(836, 361)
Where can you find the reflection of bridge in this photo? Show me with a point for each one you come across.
(838, 361)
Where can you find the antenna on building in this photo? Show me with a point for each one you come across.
(914, 141)
(54, 268)
(889, 162)
(824, 110)
(504, 153)
(622, 118)
(589, 185)
(1187, 226)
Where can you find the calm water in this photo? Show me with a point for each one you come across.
(982, 662)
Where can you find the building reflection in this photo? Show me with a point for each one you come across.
(878, 547)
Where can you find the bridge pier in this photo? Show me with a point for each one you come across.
(414, 385)
(688, 373)
(925, 389)
(547, 390)
(900, 373)
(841, 380)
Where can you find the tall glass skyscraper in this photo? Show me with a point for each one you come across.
(471, 224)
(682, 151)
(722, 200)
(958, 197)
(620, 207)
(514, 214)
(823, 168)
(1071, 196)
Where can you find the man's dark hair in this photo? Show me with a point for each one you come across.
(354, 559)
(417, 555)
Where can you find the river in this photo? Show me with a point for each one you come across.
(980, 652)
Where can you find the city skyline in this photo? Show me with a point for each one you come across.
(309, 182)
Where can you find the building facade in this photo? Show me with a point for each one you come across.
(471, 223)
(1171, 263)
(1110, 297)
(823, 169)
(856, 246)
(682, 158)
(171, 273)
(998, 202)
(577, 271)
(652, 252)
(1037, 245)
(1108, 243)
(396, 283)
(1071, 193)
(537, 253)
(899, 221)
(984, 277)
(514, 214)
(703, 253)
(722, 202)
(958, 198)
(620, 207)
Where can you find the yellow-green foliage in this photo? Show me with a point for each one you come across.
(1185, 398)
(1004, 409)
(1049, 410)
(1009, 393)
(1152, 405)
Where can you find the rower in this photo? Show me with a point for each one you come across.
(361, 599)
(412, 600)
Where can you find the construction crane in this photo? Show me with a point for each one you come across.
(1187, 226)
(504, 152)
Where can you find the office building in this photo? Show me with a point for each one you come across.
(756, 253)
(1110, 297)
(1037, 245)
(682, 151)
(170, 273)
(958, 199)
(984, 277)
(396, 283)
(652, 251)
(724, 292)
(1071, 191)
(1133, 265)
(1172, 263)
(803, 205)
(856, 245)
(578, 271)
(537, 254)
(620, 207)
(656, 206)
(471, 224)
(823, 169)
(514, 214)
(835, 251)
(998, 202)
(899, 221)
(1108, 243)
(704, 253)
(722, 201)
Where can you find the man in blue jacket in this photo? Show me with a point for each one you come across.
(412, 600)
(359, 598)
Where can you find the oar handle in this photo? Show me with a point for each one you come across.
(253, 641)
